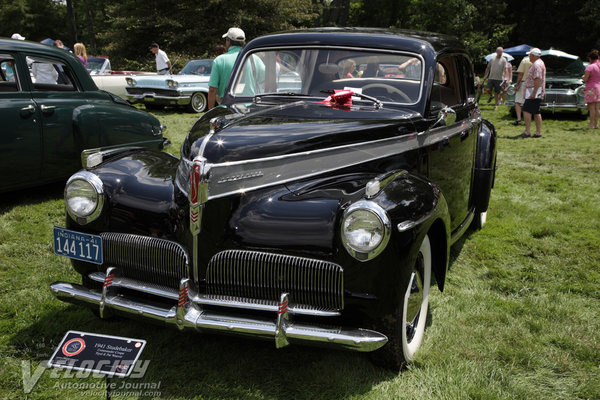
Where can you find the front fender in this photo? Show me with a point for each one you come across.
(140, 195)
(417, 207)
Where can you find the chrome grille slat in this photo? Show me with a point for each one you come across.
(312, 284)
(154, 260)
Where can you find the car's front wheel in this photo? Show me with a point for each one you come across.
(198, 102)
(407, 332)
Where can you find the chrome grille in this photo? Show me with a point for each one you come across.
(560, 98)
(145, 258)
(313, 284)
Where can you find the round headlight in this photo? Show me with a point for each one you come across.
(365, 230)
(84, 197)
(130, 81)
(512, 90)
(172, 84)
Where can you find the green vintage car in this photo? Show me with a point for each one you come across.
(51, 111)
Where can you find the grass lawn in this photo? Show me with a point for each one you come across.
(519, 318)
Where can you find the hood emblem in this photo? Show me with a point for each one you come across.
(240, 177)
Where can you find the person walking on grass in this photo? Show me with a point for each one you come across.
(592, 88)
(495, 72)
(535, 90)
(524, 66)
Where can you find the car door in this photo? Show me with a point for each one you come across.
(56, 94)
(452, 158)
(20, 136)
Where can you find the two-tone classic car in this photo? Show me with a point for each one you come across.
(188, 88)
(107, 79)
(51, 111)
(319, 208)
(564, 83)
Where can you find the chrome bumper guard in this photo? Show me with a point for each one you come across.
(189, 313)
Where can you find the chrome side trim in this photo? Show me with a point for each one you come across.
(269, 171)
(375, 186)
(188, 315)
(409, 224)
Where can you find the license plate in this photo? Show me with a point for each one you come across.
(78, 245)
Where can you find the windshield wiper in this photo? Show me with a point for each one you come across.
(378, 104)
(261, 95)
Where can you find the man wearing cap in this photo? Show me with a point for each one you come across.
(163, 65)
(235, 39)
(535, 90)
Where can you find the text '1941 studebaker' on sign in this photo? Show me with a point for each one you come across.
(317, 204)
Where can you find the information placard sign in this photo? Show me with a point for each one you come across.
(103, 354)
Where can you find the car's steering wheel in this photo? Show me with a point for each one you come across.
(389, 88)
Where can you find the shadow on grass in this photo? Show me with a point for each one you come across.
(35, 195)
(190, 364)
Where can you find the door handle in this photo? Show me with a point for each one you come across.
(47, 108)
(29, 108)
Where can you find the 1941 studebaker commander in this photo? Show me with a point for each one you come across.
(318, 208)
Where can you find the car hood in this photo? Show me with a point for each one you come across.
(160, 81)
(248, 132)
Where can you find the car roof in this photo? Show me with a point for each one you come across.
(390, 39)
(20, 45)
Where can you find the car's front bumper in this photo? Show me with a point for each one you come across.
(194, 310)
(159, 99)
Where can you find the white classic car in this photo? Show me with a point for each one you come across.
(187, 88)
(107, 79)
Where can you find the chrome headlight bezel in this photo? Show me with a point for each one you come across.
(377, 215)
(130, 81)
(512, 90)
(172, 84)
(95, 201)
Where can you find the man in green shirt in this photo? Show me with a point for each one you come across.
(223, 65)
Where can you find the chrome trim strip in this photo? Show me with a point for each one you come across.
(409, 224)
(209, 300)
(291, 167)
(193, 316)
(375, 186)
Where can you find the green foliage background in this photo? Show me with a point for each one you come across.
(123, 29)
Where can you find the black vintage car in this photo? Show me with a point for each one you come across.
(316, 204)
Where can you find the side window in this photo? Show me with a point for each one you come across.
(446, 89)
(8, 74)
(50, 75)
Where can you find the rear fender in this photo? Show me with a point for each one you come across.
(103, 125)
(485, 167)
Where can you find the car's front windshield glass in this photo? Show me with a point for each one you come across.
(197, 67)
(389, 77)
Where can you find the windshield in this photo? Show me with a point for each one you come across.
(97, 64)
(389, 77)
(197, 67)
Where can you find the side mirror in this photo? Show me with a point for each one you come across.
(446, 117)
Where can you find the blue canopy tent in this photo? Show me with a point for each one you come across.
(520, 50)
